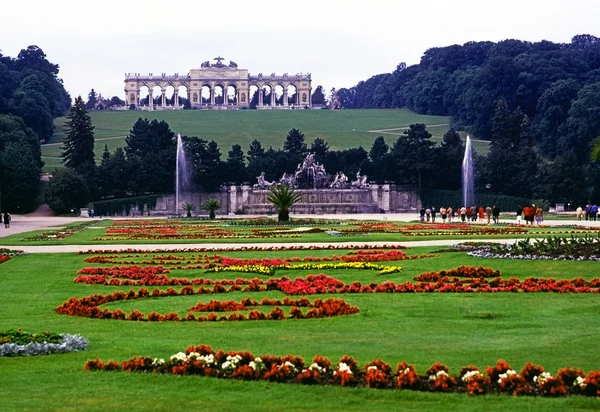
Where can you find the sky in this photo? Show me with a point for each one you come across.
(339, 42)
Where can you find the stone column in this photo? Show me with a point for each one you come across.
(175, 98)
(374, 194)
(233, 199)
(309, 97)
(150, 98)
(260, 97)
(273, 97)
(212, 96)
(285, 97)
(164, 97)
(385, 198)
(245, 193)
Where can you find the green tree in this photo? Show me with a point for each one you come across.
(449, 155)
(92, 100)
(78, 143)
(20, 164)
(295, 146)
(318, 98)
(235, 166)
(283, 197)
(67, 191)
(320, 148)
(412, 156)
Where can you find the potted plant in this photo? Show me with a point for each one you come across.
(283, 197)
(211, 205)
(188, 207)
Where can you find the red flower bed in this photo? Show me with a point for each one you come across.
(202, 360)
(89, 307)
(4, 258)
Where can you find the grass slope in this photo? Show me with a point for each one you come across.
(341, 129)
(457, 329)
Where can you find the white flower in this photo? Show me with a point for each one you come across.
(158, 362)
(178, 357)
(508, 373)
(252, 365)
(579, 381)
(467, 376)
(207, 359)
(228, 365)
(406, 371)
(542, 378)
(342, 367)
(316, 367)
(372, 368)
(193, 355)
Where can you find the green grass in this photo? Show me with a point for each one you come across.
(341, 129)
(553, 330)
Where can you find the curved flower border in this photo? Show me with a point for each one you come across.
(69, 343)
(202, 360)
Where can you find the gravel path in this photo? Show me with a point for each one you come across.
(221, 246)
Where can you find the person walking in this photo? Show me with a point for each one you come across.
(433, 212)
(579, 213)
(450, 213)
(588, 211)
(428, 213)
(481, 213)
(463, 214)
(488, 214)
(444, 214)
(496, 214)
(594, 212)
(519, 213)
(539, 216)
(6, 219)
(422, 214)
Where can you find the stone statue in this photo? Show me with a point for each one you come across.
(205, 64)
(287, 180)
(262, 183)
(340, 181)
(361, 181)
(233, 64)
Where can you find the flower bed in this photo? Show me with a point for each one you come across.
(60, 234)
(553, 248)
(291, 247)
(89, 307)
(202, 360)
(19, 343)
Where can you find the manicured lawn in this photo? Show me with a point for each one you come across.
(554, 330)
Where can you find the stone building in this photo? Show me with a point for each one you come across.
(219, 86)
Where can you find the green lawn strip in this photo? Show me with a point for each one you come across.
(553, 330)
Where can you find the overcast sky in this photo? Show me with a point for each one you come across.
(339, 42)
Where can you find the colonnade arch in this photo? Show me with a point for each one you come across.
(218, 84)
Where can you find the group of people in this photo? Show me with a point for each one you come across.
(531, 214)
(465, 214)
(590, 212)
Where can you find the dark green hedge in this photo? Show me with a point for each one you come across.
(119, 207)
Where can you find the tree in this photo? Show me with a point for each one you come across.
(283, 197)
(78, 143)
(235, 166)
(92, 100)
(412, 155)
(67, 191)
(378, 150)
(449, 157)
(320, 148)
(294, 145)
(318, 98)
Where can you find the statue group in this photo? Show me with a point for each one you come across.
(310, 174)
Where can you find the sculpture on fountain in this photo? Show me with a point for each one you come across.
(262, 183)
(310, 174)
(360, 182)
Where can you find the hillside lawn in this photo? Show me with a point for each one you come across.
(553, 330)
(342, 129)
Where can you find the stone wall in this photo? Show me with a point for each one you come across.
(245, 200)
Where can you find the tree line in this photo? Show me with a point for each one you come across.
(553, 87)
(31, 96)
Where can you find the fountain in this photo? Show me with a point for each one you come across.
(467, 175)
(182, 174)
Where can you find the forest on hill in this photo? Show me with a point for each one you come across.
(537, 102)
